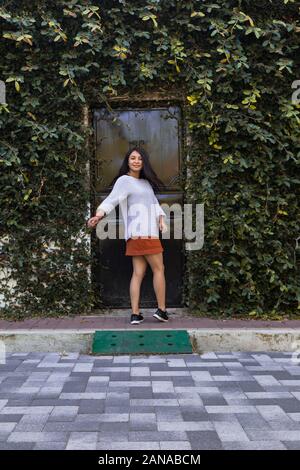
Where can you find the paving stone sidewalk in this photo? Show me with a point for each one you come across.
(183, 402)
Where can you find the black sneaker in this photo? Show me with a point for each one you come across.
(161, 315)
(136, 319)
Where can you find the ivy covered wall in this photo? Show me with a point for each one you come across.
(234, 63)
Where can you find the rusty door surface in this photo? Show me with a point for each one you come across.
(158, 130)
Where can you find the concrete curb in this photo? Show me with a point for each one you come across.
(203, 340)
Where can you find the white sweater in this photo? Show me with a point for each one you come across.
(139, 206)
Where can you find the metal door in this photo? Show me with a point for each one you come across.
(158, 130)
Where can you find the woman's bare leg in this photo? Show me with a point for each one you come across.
(159, 282)
(139, 265)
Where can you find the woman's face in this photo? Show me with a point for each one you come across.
(135, 161)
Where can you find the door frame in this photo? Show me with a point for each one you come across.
(143, 100)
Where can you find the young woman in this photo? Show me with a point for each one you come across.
(143, 218)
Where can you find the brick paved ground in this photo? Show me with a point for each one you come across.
(209, 401)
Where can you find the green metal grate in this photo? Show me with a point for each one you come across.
(140, 342)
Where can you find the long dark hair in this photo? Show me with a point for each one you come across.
(146, 172)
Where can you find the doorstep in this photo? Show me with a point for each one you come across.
(206, 334)
(120, 319)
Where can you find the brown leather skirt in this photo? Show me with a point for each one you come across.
(143, 246)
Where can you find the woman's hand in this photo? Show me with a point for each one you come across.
(93, 221)
(162, 226)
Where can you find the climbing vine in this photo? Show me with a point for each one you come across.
(233, 61)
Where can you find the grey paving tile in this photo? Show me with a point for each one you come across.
(37, 436)
(113, 426)
(71, 426)
(262, 435)
(7, 427)
(292, 445)
(142, 426)
(141, 392)
(175, 445)
(213, 401)
(230, 409)
(230, 432)
(125, 445)
(143, 416)
(194, 415)
(112, 436)
(83, 437)
(210, 401)
(185, 426)
(252, 421)
(17, 445)
(81, 446)
(204, 440)
(254, 445)
(29, 427)
(13, 418)
(147, 436)
(168, 414)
